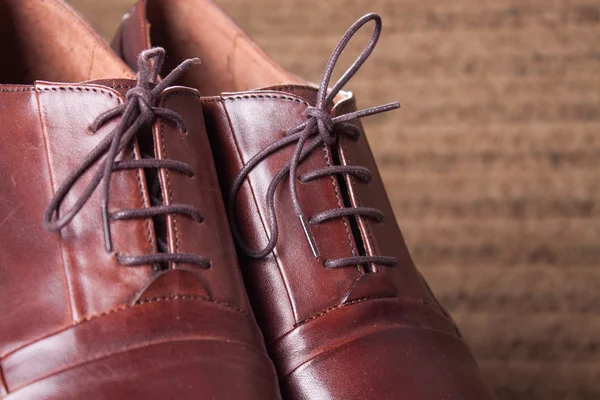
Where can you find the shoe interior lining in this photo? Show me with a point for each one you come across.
(231, 61)
(46, 40)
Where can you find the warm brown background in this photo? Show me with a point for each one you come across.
(492, 164)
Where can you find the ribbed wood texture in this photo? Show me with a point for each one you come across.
(491, 164)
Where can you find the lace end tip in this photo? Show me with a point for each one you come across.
(309, 236)
(392, 106)
(106, 226)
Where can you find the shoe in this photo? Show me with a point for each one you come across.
(119, 277)
(344, 311)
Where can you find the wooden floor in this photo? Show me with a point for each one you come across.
(492, 164)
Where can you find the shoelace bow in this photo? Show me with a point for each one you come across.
(323, 128)
(138, 110)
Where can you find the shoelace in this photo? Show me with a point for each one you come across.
(324, 129)
(138, 110)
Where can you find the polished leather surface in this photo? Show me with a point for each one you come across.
(75, 323)
(362, 332)
(348, 333)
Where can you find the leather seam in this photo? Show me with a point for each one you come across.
(326, 156)
(168, 179)
(275, 257)
(337, 348)
(53, 189)
(142, 302)
(254, 96)
(76, 89)
(292, 87)
(339, 200)
(353, 182)
(357, 301)
(117, 353)
(125, 307)
(146, 202)
(118, 99)
(15, 90)
(171, 94)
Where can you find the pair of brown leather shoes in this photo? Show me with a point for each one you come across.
(119, 276)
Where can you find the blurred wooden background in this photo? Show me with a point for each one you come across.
(492, 163)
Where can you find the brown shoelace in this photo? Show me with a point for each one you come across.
(138, 110)
(323, 129)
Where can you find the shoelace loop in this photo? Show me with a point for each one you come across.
(138, 110)
(319, 128)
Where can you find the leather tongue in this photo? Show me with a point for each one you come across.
(170, 282)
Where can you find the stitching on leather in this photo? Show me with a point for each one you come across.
(125, 307)
(326, 155)
(191, 94)
(112, 96)
(366, 222)
(241, 159)
(76, 89)
(53, 188)
(356, 301)
(132, 348)
(339, 200)
(292, 87)
(254, 96)
(405, 327)
(146, 201)
(189, 297)
(170, 190)
(166, 172)
(174, 297)
(118, 99)
(73, 89)
(27, 89)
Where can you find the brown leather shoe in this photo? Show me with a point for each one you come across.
(345, 313)
(133, 291)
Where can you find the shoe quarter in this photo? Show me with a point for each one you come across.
(210, 238)
(96, 282)
(34, 295)
(383, 238)
(255, 121)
